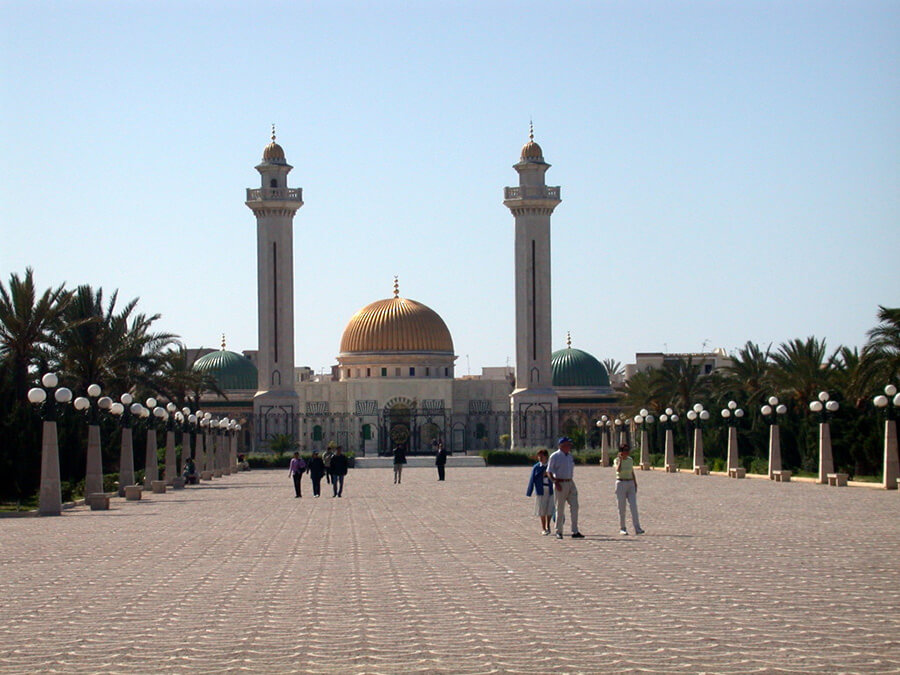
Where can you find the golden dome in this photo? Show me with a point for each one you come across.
(273, 152)
(396, 325)
(531, 150)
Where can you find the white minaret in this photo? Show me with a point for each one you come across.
(534, 403)
(274, 205)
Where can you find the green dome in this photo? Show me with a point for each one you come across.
(231, 370)
(575, 368)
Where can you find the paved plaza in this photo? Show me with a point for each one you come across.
(733, 576)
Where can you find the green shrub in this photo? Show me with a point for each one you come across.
(587, 458)
(66, 488)
(716, 464)
(110, 482)
(758, 465)
(506, 458)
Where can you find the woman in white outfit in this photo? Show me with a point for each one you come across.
(626, 488)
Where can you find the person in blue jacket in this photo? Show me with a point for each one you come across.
(541, 485)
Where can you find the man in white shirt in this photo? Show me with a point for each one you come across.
(561, 470)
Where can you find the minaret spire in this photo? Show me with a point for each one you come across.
(534, 402)
(396, 287)
(274, 205)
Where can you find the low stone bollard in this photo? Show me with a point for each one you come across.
(178, 483)
(645, 466)
(206, 475)
(158, 487)
(737, 472)
(217, 473)
(701, 470)
(837, 479)
(781, 476)
(133, 493)
(671, 468)
(98, 501)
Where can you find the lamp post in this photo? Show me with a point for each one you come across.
(93, 479)
(697, 415)
(889, 402)
(201, 444)
(668, 418)
(770, 412)
(122, 410)
(603, 425)
(824, 407)
(228, 464)
(221, 449)
(642, 419)
(50, 495)
(217, 425)
(731, 414)
(171, 463)
(151, 470)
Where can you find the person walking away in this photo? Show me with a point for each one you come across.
(316, 469)
(296, 469)
(440, 459)
(326, 458)
(540, 484)
(399, 461)
(626, 488)
(561, 470)
(338, 471)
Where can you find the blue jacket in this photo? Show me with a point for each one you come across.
(536, 482)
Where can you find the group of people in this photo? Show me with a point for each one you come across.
(332, 465)
(440, 461)
(553, 484)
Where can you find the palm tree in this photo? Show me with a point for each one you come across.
(681, 383)
(26, 323)
(613, 367)
(748, 378)
(641, 391)
(884, 344)
(802, 368)
(179, 382)
(113, 348)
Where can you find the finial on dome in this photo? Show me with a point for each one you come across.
(273, 132)
(530, 130)
(396, 287)
(223, 342)
(568, 340)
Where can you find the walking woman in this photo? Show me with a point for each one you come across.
(626, 488)
(540, 484)
(296, 471)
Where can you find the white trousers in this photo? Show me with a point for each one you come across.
(627, 490)
(566, 492)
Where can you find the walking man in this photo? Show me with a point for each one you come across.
(561, 470)
(338, 471)
(440, 459)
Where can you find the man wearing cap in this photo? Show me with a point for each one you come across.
(561, 470)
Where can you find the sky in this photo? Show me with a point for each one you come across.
(730, 171)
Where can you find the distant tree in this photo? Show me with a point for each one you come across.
(883, 346)
(26, 323)
(613, 367)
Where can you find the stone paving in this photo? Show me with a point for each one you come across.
(236, 575)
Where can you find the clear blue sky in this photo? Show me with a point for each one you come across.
(730, 171)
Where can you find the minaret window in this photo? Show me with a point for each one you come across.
(384, 372)
(412, 372)
(273, 183)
